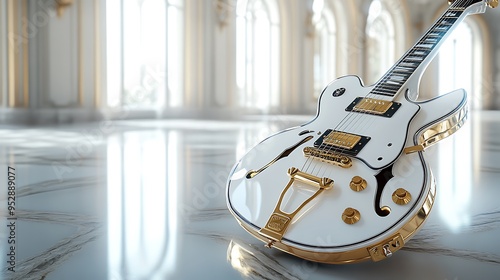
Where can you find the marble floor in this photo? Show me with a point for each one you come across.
(146, 200)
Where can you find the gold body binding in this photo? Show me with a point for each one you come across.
(439, 131)
(361, 254)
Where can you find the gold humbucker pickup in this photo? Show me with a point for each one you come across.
(343, 143)
(374, 106)
(341, 140)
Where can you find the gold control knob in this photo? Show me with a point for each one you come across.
(351, 216)
(401, 196)
(357, 184)
(493, 3)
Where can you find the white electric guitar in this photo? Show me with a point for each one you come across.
(353, 183)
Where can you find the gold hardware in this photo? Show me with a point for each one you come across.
(342, 139)
(373, 106)
(444, 129)
(401, 196)
(357, 184)
(359, 254)
(439, 131)
(413, 149)
(252, 173)
(450, 2)
(351, 216)
(270, 244)
(387, 251)
(329, 157)
(61, 5)
(386, 248)
(279, 221)
(386, 209)
(492, 3)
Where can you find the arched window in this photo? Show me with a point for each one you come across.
(381, 41)
(257, 61)
(461, 63)
(456, 68)
(325, 50)
(144, 43)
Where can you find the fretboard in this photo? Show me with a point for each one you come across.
(396, 77)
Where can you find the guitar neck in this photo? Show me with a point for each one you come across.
(420, 55)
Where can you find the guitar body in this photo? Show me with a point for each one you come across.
(318, 232)
(353, 184)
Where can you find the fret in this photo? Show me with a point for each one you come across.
(383, 93)
(405, 74)
(414, 58)
(396, 77)
(450, 20)
(456, 9)
(411, 65)
(452, 14)
(425, 46)
(430, 40)
(399, 78)
(420, 53)
(387, 87)
(434, 33)
(439, 28)
(416, 55)
(390, 82)
(446, 23)
(404, 68)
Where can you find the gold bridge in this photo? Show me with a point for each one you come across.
(327, 156)
(378, 107)
(279, 221)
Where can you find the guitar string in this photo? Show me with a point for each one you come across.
(351, 120)
(387, 76)
(343, 126)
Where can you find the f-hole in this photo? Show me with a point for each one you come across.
(382, 178)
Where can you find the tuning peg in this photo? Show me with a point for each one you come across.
(492, 3)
